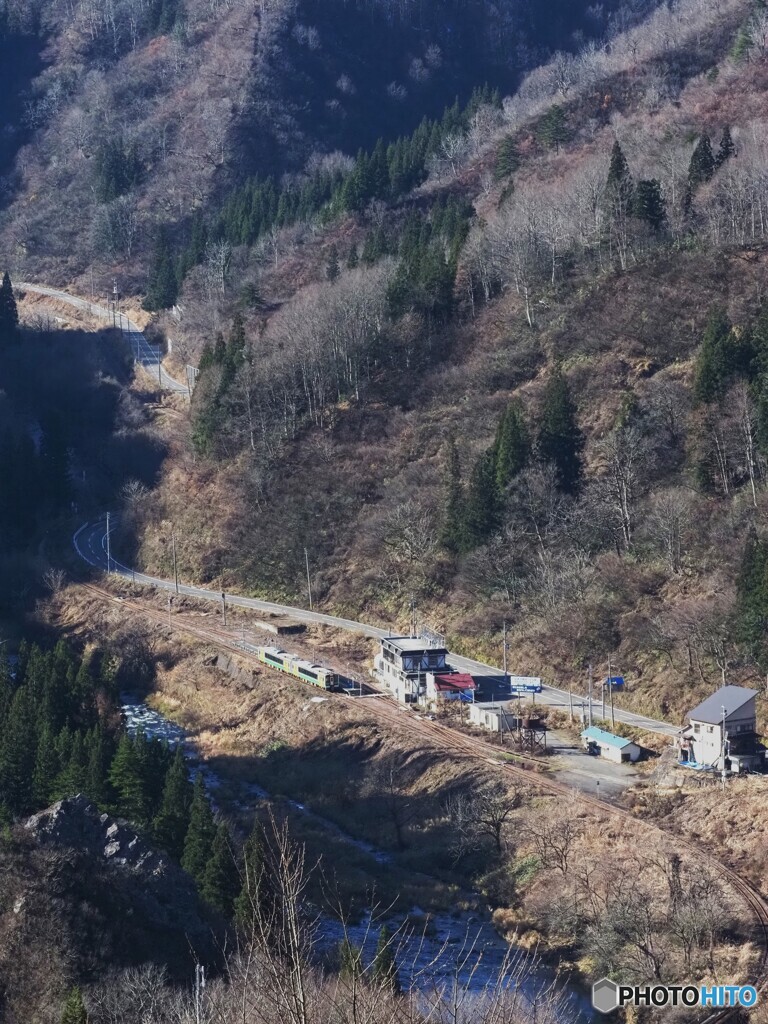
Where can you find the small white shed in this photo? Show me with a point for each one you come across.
(495, 717)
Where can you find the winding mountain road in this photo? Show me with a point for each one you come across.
(90, 543)
(146, 355)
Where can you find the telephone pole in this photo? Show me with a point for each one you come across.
(590, 696)
(504, 646)
(309, 580)
(175, 565)
(199, 991)
(109, 557)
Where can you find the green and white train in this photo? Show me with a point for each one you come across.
(325, 678)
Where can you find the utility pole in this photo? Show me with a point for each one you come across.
(590, 696)
(109, 557)
(309, 580)
(199, 991)
(570, 705)
(170, 602)
(504, 645)
(613, 717)
(175, 565)
(722, 750)
(224, 609)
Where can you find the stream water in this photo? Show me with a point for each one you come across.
(452, 951)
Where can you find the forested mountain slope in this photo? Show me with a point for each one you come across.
(508, 360)
(146, 113)
(529, 390)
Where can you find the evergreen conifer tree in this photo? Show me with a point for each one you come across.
(507, 160)
(553, 130)
(727, 148)
(384, 969)
(46, 769)
(163, 287)
(717, 359)
(619, 186)
(702, 165)
(752, 599)
(200, 834)
(219, 885)
(648, 203)
(9, 314)
(512, 446)
(483, 501)
(560, 440)
(452, 531)
(18, 753)
(125, 776)
(99, 752)
(253, 898)
(352, 257)
(74, 1008)
(172, 821)
(332, 270)
(350, 960)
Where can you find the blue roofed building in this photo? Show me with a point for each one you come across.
(612, 748)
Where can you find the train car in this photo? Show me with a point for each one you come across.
(298, 667)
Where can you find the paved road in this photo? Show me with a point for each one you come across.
(146, 355)
(90, 543)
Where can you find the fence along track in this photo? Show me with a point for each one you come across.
(453, 742)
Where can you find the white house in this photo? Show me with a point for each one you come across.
(612, 748)
(494, 716)
(403, 664)
(723, 728)
(449, 686)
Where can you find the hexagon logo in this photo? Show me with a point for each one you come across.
(605, 995)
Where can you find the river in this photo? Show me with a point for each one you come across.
(458, 953)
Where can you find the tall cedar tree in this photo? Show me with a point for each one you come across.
(9, 314)
(350, 960)
(702, 165)
(384, 969)
(172, 821)
(18, 748)
(332, 269)
(200, 834)
(619, 186)
(560, 440)
(483, 508)
(512, 446)
(221, 881)
(727, 148)
(163, 287)
(717, 360)
(553, 128)
(452, 532)
(46, 770)
(74, 1008)
(507, 160)
(253, 900)
(648, 203)
(752, 599)
(126, 777)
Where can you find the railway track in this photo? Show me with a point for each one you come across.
(444, 738)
